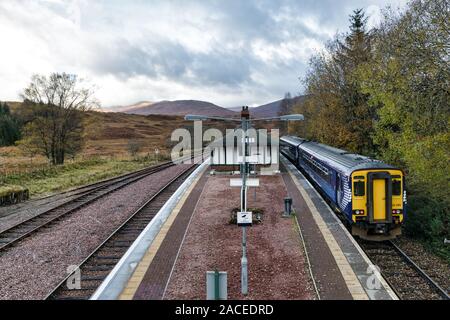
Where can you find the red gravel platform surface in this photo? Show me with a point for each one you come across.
(331, 285)
(277, 263)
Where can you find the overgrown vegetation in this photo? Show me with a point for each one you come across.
(106, 138)
(58, 178)
(12, 194)
(385, 93)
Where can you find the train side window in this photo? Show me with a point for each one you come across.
(396, 187)
(359, 188)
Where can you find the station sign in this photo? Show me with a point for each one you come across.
(251, 182)
(244, 219)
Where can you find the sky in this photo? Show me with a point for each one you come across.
(228, 52)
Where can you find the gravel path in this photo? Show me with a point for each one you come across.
(277, 267)
(31, 269)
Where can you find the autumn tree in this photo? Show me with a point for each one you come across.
(385, 92)
(337, 111)
(409, 78)
(53, 112)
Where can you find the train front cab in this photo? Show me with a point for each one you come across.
(377, 203)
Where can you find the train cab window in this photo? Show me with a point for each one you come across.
(359, 189)
(396, 187)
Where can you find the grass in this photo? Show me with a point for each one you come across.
(107, 137)
(105, 153)
(59, 178)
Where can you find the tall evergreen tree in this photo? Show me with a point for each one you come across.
(351, 54)
(337, 110)
(9, 126)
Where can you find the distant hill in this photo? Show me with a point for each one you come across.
(235, 109)
(272, 109)
(138, 105)
(267, 110)
(184, 107)
(179, 108)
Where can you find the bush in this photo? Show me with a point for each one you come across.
(428, 220)
(13, 194)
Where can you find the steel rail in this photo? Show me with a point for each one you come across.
(420, 271)
(47, 214)
(79, 189)
(116, 231)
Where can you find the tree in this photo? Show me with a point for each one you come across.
(53, 114)
(134, 147)
(385, 92)
(285, 108)
(9, 126)
(336, 110)
(285, 105)
(409, 79)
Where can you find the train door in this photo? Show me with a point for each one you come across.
(379, 197)
(339, 188)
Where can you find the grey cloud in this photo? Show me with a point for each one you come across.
(171, 60)
(240, 21)
(223, 68)
(132, 39)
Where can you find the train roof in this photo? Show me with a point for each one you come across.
(340, 159)
(343, 160)
(293, 140)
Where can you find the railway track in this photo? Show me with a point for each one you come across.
(406, 278)
(16, 233)
(87, 188)
(403, 275)
(96, 267)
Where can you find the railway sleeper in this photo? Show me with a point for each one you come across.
(108, 256)
(97, 268)
(105, 263)
(71, 298)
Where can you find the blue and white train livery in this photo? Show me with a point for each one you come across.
(369, 193)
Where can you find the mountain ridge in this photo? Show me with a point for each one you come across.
(180, 108)
(184, 107)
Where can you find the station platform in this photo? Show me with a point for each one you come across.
(308, 256)
(328, 241)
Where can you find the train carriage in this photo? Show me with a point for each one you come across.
(369, 193)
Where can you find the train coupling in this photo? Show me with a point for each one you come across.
(381, 228)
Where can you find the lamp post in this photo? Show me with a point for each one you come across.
(245, 120)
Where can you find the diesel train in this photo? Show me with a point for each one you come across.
(368, 193)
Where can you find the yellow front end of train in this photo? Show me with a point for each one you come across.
(377, 202)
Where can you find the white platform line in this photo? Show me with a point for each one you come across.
(117, 279)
